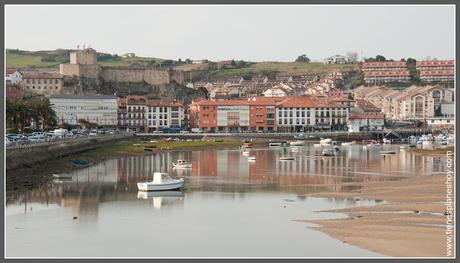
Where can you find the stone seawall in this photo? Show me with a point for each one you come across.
(27, 156)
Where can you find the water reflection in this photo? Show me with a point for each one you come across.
(230, 171)
(224, 195)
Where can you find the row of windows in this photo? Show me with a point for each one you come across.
(84, 108)
(39, 81)
(38, 87)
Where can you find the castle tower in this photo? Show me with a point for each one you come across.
(86, 56)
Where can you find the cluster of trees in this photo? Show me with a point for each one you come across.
(303, 58)
(20, 113)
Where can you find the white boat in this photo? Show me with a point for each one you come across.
(275, 144)
(251, 158)
(345, 144)
(287, 158)
(62, 176)
(297, 143)
(294, 149)
(246, 153)
(326, 141)
(182, 164)
(317, 145)
(161, 182)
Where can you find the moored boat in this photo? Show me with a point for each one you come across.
(161, 182)
(251, 158)
(326, 141)
(79, 162)
(287, 158)
(297, 143)
(387, 152)
(62, 176)
(182, 164)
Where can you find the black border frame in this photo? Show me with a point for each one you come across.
(207, 2)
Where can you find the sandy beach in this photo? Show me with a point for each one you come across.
(410, 223)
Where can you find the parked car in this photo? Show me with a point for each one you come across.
(93, 133)
(9, 142)
(197, 130)
(37, 138)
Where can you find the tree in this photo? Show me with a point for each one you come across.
(380, 58)
(302, 58)
(204, 91)
(18, 113)
(352, 57)
(410, 62)
(42, 113)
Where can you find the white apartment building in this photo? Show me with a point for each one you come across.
(336, 59)
(366, 122)
(160, 114)
(100, 109)
(306, 113)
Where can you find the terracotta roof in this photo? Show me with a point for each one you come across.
(340, 99)
(163, 103)
(366, 116)
(387, 73)
(367, 106)
(307, 102)
(10, 71)
(437, 72)
(435, 63)
(384, 64)
(41, 75)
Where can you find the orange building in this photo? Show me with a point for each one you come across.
(260, 114)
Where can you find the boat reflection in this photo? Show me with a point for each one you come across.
(162, 198)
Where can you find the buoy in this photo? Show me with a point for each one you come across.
(75, 217)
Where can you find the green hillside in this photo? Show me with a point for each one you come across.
(209, 71)
(52, 58)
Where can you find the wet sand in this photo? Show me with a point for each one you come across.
(409, 224)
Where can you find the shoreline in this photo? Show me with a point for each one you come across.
(409, 224)
(39, 174)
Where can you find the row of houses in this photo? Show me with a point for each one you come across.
(410, 103)
(42, 83)
(398, 71)
(136, 113)
(267, 114)
(284, 114)
(281, 86)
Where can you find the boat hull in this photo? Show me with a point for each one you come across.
(182, 166)
(146, 187)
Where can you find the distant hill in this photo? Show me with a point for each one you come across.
(204, 71)
(52, 58)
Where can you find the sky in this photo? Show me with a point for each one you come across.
(240, 32)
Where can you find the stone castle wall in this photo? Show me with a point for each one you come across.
(149, 76)
(83, 63)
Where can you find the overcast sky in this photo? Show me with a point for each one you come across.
(256, 33)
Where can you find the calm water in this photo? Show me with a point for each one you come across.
(230, 207)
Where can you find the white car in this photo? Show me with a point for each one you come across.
(93, 133)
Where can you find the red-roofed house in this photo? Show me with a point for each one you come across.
(13, 76)
(268, 113)
(365, 122)
(386, 71)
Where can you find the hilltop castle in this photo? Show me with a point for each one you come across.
(83, 64)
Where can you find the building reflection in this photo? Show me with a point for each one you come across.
(226, 170)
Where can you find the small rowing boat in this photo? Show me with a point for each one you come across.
(287, 158)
